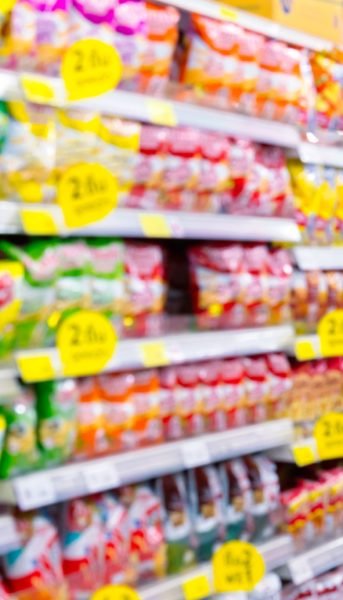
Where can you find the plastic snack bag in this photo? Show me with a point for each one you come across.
(117, 392)
(147, 423)
(91, 433)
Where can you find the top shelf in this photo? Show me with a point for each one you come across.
(209, 8)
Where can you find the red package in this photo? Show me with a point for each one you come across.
(257, 388)
(189, 400)
(233, 392)
(171, 419)
(209, 378)
(151, 158)
(280, 383)
(279, 281)
(254, 285)
(147, 423)
(116, 530)
(182, 164)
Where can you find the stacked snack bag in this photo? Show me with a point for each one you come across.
(235, 285)
(314, 293)
(141, 533)
(83, 418)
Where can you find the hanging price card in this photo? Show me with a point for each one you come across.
(237, 567)
(330, 331)
(329, 436)
(115, 592)
(86, 342)
(90, 68)
(86, 193)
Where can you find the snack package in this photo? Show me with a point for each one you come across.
(107, 277)
(178, 523)
(254, 290)
(171, 417)
(117, 390)
(91, 434)
(147, 424)
(33, 570)
(257, 388)
(265, 487)
(206, 497)
(295, 505)
(72, 283)
(56, 403)
(82, 548)
(233, 392)
(11, 277)
(280, 385)
(189, 401)
(238, 500)
(116, 531)
(212, 405)
(19, 451)
(147, 541)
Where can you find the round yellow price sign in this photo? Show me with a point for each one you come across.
(115, 592)
(86, 341)
(328, 433)
(237, 567)
(87, 192)
(330, 331)
(90, 68)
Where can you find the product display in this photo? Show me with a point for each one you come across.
(166, 416)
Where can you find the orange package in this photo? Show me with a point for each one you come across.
(162, 36)
(117, 392)
(211, 60)
(147, 421)
(91, 435)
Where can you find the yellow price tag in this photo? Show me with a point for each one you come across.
(196, 588)
(161, 112)
(154, 354)
(328, 432)
(87, 193)
(115, 592)
(330, 331)
(86, 341)
(227, 13)
(35, 368)
(37, 89)
(155, 226)
(237, 567)
(304, 350)
(304, 454)
(38, 222)
(6, 6)
(90, 68)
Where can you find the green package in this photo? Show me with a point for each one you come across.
(20, 452)
(39, 258)
(72, 285)
(107, 276)
(56, 411)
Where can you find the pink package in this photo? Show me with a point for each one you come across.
(182, 163)
(116, 529)
(235, 200)
(83, 547)
(130, 38)
(144, 279)
(35, 566)
(39, 32)
(214, 173)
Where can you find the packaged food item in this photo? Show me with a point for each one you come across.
(11, 277)
(56, 403)
(33, 570)
(91, 434)
(254, 283)
(19, 451)
(107, 292)
(270, 588)
(117, 391)
(82, 547)
(147, 541)
(280, 385)
(295, 505)
(116, 532)
(265, 488)
(257, 389)
(238, 500)
(210, 389)
(147, 424)
(233, 392)
(170, 415)
(178, 523)
(206, 498)
(72, 283)
(189, 400)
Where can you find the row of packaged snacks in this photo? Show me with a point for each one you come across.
(318, 199)
(82, 418)
(314, 294)
(156, 167)
(325, 587)
(218, 59)
(313, 506)
(143, 532)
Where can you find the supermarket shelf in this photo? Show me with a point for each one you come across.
(144, 223)
(141, 107)
(310, 564)
(171, 349)
(260, 25)
(318, 154)
(9, 536)
(79, 479)
(310, 258)
(276, 553)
